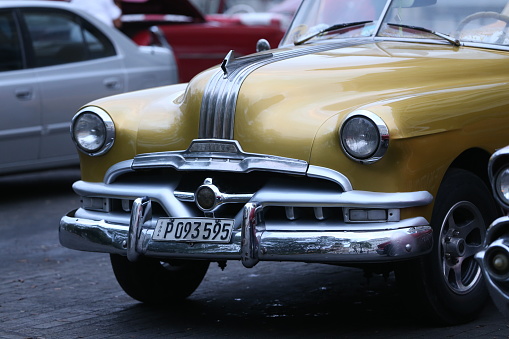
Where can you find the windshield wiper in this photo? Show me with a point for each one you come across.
(449, 38)
(330, 29)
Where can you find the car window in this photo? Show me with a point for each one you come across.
(10, 47)
(60, 37)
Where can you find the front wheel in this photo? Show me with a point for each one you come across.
(156, 282)
(448, 282)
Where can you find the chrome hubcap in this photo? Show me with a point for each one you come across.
(461, 237)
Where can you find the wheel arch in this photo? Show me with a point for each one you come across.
(474, 160)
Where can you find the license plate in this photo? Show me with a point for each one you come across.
(193, 230)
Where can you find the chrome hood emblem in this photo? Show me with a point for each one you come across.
(230, 63)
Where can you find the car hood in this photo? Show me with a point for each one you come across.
(295, 105)
(281, 106)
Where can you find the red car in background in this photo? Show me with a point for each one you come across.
(199, 41)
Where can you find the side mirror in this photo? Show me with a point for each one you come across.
(262, 45)
(157, 38)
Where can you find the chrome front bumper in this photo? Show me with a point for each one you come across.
(251, 242)
(357, 235)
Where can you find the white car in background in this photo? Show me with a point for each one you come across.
(53, 60)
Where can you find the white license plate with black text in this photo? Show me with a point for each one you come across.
(193, 230)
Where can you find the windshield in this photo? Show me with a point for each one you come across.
(315, 16)
(446, 21)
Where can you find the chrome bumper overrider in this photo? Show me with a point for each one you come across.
(251, 243)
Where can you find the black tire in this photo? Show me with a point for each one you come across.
(448, 284)
(156, 282)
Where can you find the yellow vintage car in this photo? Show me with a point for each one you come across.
(362, 140)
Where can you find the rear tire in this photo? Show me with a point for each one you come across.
(156, 282)
(448, 283)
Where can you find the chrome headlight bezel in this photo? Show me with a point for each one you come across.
(501, 185)
(498, 169)
(379, 136)
(105, 124)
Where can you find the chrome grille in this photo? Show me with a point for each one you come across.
(185, 185)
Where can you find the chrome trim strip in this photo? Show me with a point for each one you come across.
(437, 41)
(329, 174)
(443, 42)
(338, 226)
(309, 198)
(185, 196)
(486, 46)
(220, 96)
(117, 170)
(24, 132)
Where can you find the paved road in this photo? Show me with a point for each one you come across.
(47, 291)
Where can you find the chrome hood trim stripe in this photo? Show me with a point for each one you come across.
(217, 112)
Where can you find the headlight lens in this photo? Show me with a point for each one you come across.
(360, 137)
(502, 185)
(364, 137)
(93, 131)
(90, 132)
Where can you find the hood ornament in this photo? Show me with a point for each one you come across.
(231, 63)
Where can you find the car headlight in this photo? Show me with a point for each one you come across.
(502, 184)
(93, 131)
(364, 137)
